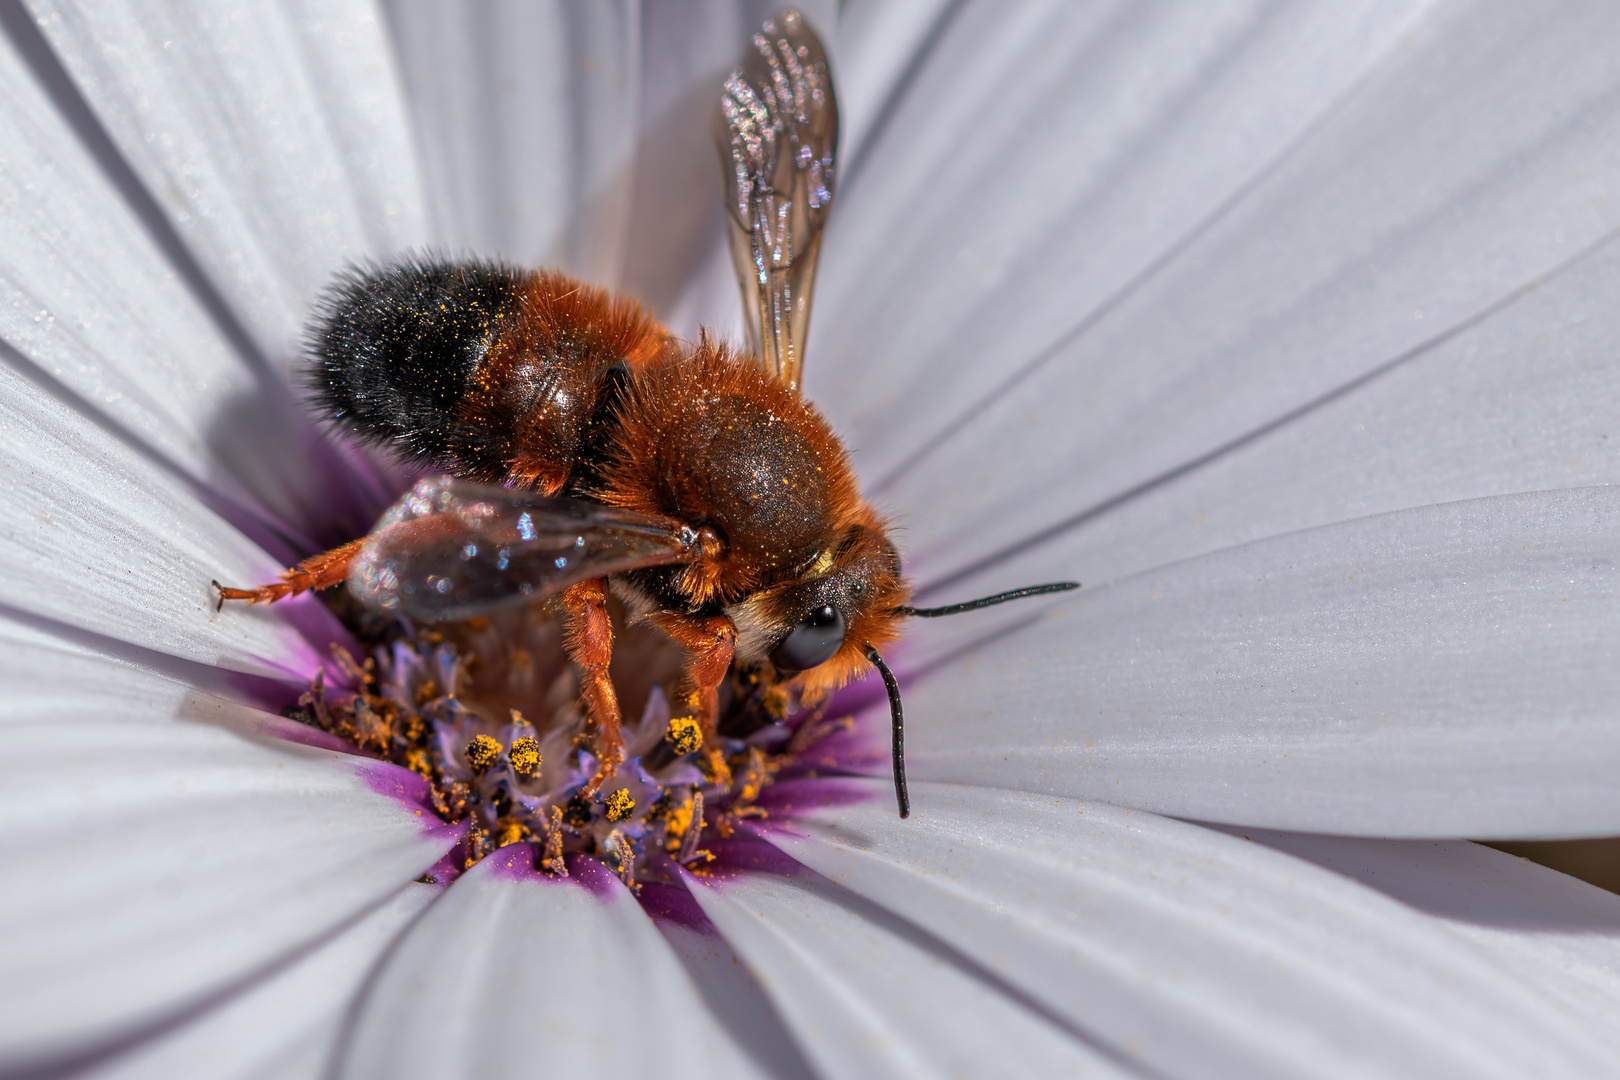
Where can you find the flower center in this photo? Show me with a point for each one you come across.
(488, 712)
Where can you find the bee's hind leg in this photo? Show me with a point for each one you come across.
(317, 572)
(589, 643)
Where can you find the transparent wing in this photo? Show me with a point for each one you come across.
(777, 133)
(452, 549)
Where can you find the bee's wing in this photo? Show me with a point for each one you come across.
(777, 132)
(452, 549)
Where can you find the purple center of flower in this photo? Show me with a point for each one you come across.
(488, 712)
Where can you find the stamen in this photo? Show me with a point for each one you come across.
(685, 736)
(449, 701)
(509, 830)
(482, 753)
(525, 758)
(694, 829)
(619, 804)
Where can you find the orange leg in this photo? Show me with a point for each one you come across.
(318, 572)
(709, 645)
(589, 642)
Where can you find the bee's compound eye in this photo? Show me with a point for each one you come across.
(818, 635)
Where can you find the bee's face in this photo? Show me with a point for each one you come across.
(818, 625)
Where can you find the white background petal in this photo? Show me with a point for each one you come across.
(1468, 162)
(526, 114)
(579, 135)
(1523, 401)
(283, 1028)
(1043, 157)
(1558, 936)
(88, 299)
(1189, 951)
(274, 137)
(726, 982)
(96, 538)
(1444, 671)
(154, 864)
(507, 974)
(867, 996)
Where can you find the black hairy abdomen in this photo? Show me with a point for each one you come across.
(396, 347)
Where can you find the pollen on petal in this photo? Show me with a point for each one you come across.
(482, 753)
(619, 804)
(684, 734)
(525, 757)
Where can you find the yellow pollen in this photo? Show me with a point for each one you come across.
(482, 753)
(510, 831)
(680, 819)
(684, 734)
(619, 804)
(525, 755)
(819, 568)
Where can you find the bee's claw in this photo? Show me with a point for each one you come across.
(219, 601)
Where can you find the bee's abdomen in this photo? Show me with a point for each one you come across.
(399, 345)
(495, 373)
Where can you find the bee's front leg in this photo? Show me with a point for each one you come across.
(589, 643)
(317, 572)
(709, 644)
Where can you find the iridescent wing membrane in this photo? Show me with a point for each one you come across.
(777, 133)
(452, 549)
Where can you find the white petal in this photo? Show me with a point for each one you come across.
(579, 136)
(1557, 935)
(154, 865)
(1042, 158)
(511, 970)
(48, 677)
(868, 996)
(1464, 169)
(89, 301)
(1434, 672)
(527, 119)
(726, 982)
(878, 49)
(1185, 950)
(101, 540)
(284, 1027)
(1520, 402)
(273, 137)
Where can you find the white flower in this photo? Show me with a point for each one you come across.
(1290, 331)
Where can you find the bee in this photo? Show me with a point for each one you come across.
(585, 451)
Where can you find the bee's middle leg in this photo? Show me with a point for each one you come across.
(589, 643)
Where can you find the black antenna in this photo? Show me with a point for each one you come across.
(896, 716)
(987, 601)
(898, 719)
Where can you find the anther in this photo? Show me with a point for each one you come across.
(684, 734)
(694, 831)
(577, 813)
(619, 804)
(510, 830)
(525, 755)
(482, 754)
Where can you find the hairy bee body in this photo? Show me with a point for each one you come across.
(534, 380)
(696, 483)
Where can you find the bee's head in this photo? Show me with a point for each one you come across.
(817, 625)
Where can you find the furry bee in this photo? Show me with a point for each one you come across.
(586, 450)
